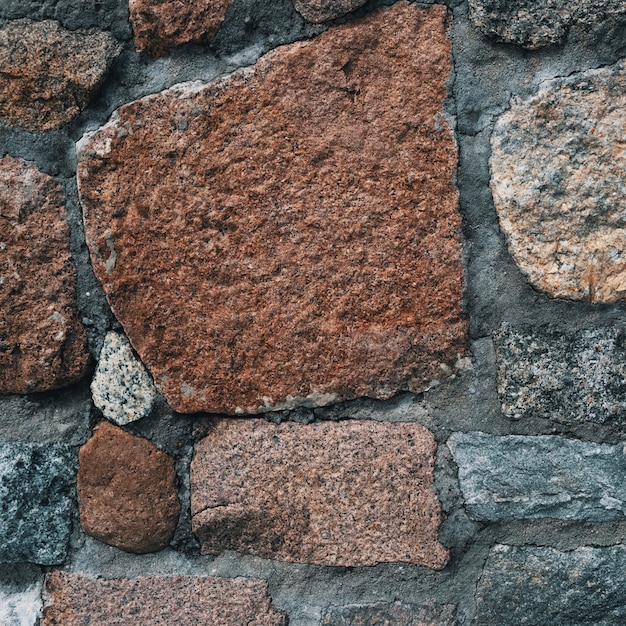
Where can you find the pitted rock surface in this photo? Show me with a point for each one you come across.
(321, 10)
(42, 341)
(288, 235)
(49, 73)
(388, 614)
(159, 25)
(344, 493)
(74, 600)
(127, 491)
(557, 178)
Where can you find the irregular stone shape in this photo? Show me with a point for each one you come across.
(127, 491)
(121, 387)
(42, 341)
(543, 587)
(534, 24)
(49, 73)
(519, 477)
(387, 614)
(74, 600)
(345, 493)
(566, 378)
(36, 502)
(159, 25)
(557, 178)
(306, 246)
(321, 10)
(20, 595)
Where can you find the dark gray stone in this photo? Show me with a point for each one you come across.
(386, 614)
(36, 502)
(519, 477)
(546, 587)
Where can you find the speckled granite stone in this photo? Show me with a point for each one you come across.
(321, 10)
(390, 615)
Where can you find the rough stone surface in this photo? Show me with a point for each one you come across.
(36, 502)
(20, 596)
(159, 25)
(534, 24)
(308, 237)
(557, 179)
(321, 10)
(543, 587)
(390, 614)
(74, 600)
(121, 387)
(42, 341)
(127, 491)
(346, 493)
(49, 73)
(563, 377)
(520, 477)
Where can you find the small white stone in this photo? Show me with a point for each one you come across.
(20, 608)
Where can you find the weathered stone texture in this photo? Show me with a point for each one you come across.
(566, 378)
(159, 25)
(74, 600)
(390, 614)
(534, 24)
(321, 10)
(346, 493)
(42, 341)
(49, 73)
(557, 178)
(127, 491)
(544, 587)
(290, 234)
(36, 502)
(520, 477)
(121, 387)
(20, 604)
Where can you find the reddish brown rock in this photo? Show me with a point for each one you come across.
(49, 73)
(288, 235)
(321, 10)
(332, 493)
(73, 600)
(127, 491)
(159, 25)
(42, 341)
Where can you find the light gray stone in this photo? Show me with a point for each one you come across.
(21, 606)
(520, 477)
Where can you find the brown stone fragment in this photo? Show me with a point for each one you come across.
(159, 25)
(74, 600)
(288, 235)
(42, 341)
(49, 73)
(321, 10)
(332, 493)
(127, 491)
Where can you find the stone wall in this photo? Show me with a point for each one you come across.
(312, 312)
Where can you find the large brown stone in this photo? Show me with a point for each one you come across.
(159, 25)
(289, 234)
(42, 341)
(74, 600)
(127, 491)
(49, 73)
(333, 493)
(321, 10)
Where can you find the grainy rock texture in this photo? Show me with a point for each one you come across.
(534, 24)
(390, 614)
(49, 73)
(121, 387)
(42, 341)
(543, 587)
(159, 25)
(520, 477)
(20, 604)
(347, 493)
(557, 178)
(563, 377)
(321, 10)
(74, 600)
(36, 502)
(127, 491)
(301, 213)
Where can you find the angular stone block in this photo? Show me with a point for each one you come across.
(345, 493)
(520, 477)
(36, 502)
(288, 235)
(390, 614)
(557, 179)
(321, 10)
(74, 600)
(42, 341)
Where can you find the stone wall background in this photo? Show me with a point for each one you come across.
(554, 553)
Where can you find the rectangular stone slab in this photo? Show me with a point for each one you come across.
(344, 493)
